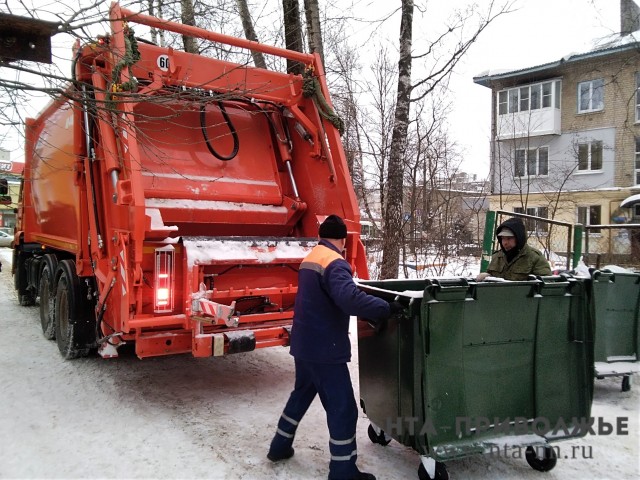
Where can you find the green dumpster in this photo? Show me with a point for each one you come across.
(471, 368)
(615, 301)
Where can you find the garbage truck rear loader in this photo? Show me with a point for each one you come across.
(168, 198)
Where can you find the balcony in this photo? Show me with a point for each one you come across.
(529, 123)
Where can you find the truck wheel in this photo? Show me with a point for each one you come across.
(47, 296)
(20, 279)
(73, 315)
(544, 463)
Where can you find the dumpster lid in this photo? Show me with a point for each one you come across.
(405, 293)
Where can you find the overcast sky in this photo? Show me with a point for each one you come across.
(541, 31)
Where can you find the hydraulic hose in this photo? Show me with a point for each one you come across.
(232, 129)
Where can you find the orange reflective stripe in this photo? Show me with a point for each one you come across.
(319, 258)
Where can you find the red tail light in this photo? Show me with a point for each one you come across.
(164, 279)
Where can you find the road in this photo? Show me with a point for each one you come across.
(181, 417)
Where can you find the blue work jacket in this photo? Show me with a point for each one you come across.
(327, 296)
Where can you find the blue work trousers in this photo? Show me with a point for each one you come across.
(332, 383)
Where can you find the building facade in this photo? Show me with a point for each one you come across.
(12, 173)
(566, 140)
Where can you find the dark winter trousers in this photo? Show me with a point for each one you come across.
(332, 383)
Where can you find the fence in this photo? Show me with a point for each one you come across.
(564, 243)
(559, 241)
(612, 245)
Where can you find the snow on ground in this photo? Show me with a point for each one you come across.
(180, 418)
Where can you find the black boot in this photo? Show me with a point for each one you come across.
(364, 476)
(277, 456)
(359, 476)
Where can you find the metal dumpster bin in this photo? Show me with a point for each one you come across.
(471, 368)
(615, 300)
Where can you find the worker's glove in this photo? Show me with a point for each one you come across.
(481, 276)
(395, 307)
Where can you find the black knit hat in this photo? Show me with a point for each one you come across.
(333, 227)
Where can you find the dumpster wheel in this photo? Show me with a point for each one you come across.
(379, 438)
(542, 464)
(626, 383)
(441, 472)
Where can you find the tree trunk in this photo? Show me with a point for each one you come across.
(155, 10)
(292, 32)
(314, 32)
(249, 32)
(154, 31)
(393, 208)
(189, 18)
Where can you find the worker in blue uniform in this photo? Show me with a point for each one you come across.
(320, 345)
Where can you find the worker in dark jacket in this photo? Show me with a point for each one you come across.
(515, 260)
(327, 296)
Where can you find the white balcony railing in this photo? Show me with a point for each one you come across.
(530, 123)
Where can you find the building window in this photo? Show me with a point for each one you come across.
(533, 225)
(531, 162)
(591, 96)
(502, 102)
(590, 156)
(524, 99)
(546, 95)
(590, 215)
(513, 100)
(535, 96)
(529, 97)
(637, 162)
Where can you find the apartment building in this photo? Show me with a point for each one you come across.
(566, 138)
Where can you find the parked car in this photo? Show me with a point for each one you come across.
(5, 239)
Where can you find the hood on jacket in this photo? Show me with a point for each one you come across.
(517, 227)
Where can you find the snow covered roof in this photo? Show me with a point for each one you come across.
(604, 46)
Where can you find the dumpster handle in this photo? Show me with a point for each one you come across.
(405, 304)
(605, 274)
(450, 283)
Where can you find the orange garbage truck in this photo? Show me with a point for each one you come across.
(168, 197)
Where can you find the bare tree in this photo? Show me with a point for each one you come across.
(188, 18)
(292, 32)
(440, 69)
(538, 188)
(375, 127)
(314, 32)
(155, 10)
(386, 144)
(249, 32)
(393, 207)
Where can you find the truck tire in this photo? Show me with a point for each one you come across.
(47, 294)
(74, 317)
(20, 279)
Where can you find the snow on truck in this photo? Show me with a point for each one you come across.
(168, 198)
